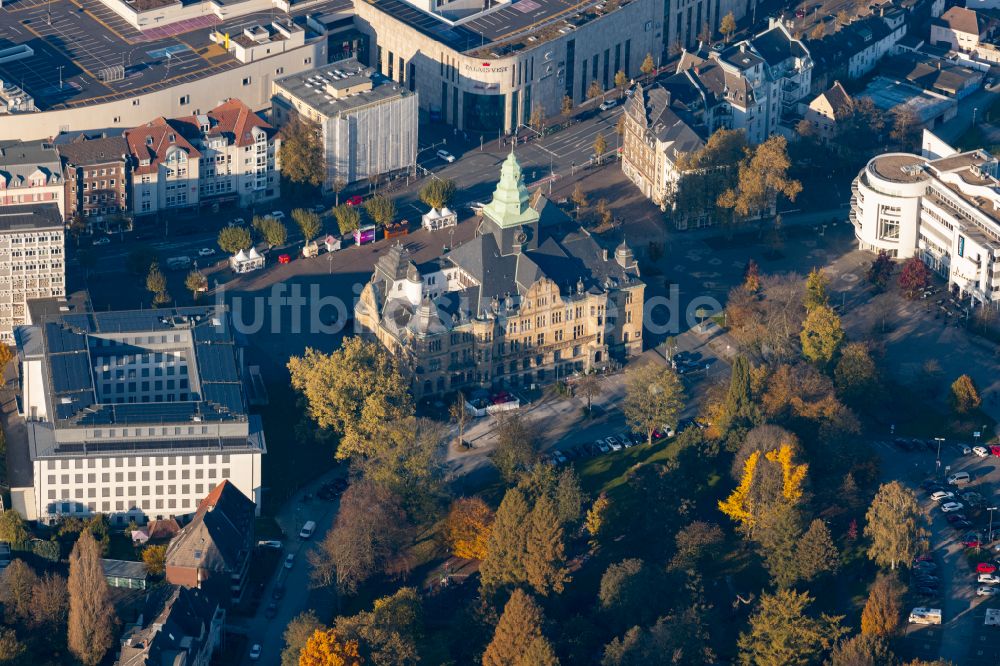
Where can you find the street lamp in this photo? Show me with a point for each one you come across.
(991, 509)
(939, 440)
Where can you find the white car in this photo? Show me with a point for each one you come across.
(614, 444)
(206, 252)
(989, 579)
(255, 652)
(609, 104)
(446, 156)
(269, 543)
(948, 507)
(942, 495)
(103, 240)
(986, 590)
(277, 214)
(290, 560)
(981, 451)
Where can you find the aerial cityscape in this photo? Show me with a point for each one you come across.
(499, 332)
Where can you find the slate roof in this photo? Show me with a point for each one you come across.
(775, 46)
(29, 217)
(19, 161)
(83, 151)
(124, 569)
(220, 536)
(176, 622)
(665, 124)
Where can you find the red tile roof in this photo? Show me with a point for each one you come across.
(232, 119)
(152, 140)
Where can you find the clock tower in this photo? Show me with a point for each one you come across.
(509, 216)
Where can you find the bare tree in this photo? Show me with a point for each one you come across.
(91, 616)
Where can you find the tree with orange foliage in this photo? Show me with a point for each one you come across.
(324, 649)
(467, 530)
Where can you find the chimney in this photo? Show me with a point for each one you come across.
(604, 252)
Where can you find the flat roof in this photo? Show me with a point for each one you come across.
(311, 87)
(889, 93)
(502, 31)
(84, 37)
(29, 217)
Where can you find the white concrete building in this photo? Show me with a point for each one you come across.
(944, 210)
(31, 173)
(135, 415)
(368, 123)
(960, 29)
(32, 261)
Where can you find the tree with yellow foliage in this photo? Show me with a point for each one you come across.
(792, 474)
(736, 506)
(752, 496)
(467, 530)
(324, 649)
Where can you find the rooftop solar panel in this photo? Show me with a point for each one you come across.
(217, 363)
(226, 396)
(61, 339)
(70, 372)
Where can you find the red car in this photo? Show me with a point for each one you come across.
(356, 200)
(283, 259)
(995, 450)
(985, 568)
(973, 543)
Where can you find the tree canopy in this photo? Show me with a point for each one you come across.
(654, 398)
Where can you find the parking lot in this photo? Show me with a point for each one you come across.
(958, 540)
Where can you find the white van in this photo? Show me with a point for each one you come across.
(925, 616)
(307, 529)
(958, 477)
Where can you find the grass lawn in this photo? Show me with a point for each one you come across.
(604, 473)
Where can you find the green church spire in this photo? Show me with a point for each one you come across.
(510, 207)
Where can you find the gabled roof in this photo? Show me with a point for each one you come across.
(175, 624)
(837, 98)
(83, 151)
(961, 19)
(776, 46)
(153, 140)
(220, 536)
(232, 120)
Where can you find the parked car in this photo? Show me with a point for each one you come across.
(948, 507)
(986, 568)
(981, 451)
(289, 560)
(989, 578)
(972, 543)
(602, 446)
(614, 444)
(958, 477)
(269, 543)
(925, 616)
(608, 104)
(926, 557)
(284, 259)
(560, 458)
(963, 524)
(255, 652)
(206, 252)
(356, 200)
(446, 156)
(964, 449)
(942, 495)
(103, 240)
(987, 591)
(953, 518)
(277, 214)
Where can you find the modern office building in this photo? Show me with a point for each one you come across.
(229, 154)
(945, 211)
(135, 415)
(98, 175)
(32, 260)
(368, 123)
(532, 298)
(686, 22)
(30, 173)
(483, 66)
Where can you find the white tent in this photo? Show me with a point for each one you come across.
(438, 219)
(245, 262)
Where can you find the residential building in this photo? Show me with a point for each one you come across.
(687, 22)
(939, 75)
(961, 29)
(127, 574)
(483, 66)
(368, 123)
(824, 111)
(944, 210)
(30, 173)
(855, 49)
(98, 175)
(532, 298)
(135, 415)
(179, 626)
(229, 154)
(32, 260)
(655, 137)
(212, 552)
(749, 85)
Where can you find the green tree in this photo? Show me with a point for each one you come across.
(545, 552)
(822, 335)
(568, 497)
(232, 239)
(894, 525)
(381, 209)
(856, 375)
(91, 616)
(438, 193)
(647, 65)
(12, 528)
(654, 398)
(914, 277)
(348, 218)
(505, 550)
(308, 222)
(782, 634)
(763, 175)
(861, 650)
(880, 271)
(600, 147)
(964, 395)
(196, 282)
(272, 230)
(156, 283)
(301, 152)
(11, 649)
(628, 591)
(694, 543)
(520, 626)
(778, 532)
(387, 635)
(816, 284)
(596, 522)
(516, 446)
(727, 26)
(816, 553)
(354, 391)
(883, 610)
(740, 409)
(296, 634)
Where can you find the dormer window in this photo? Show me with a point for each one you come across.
(171, 138)
(149, 141)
